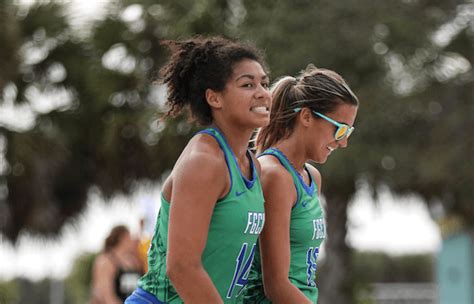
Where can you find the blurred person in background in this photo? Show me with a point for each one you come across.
(116, 269)
(212, 202)
(312, 116)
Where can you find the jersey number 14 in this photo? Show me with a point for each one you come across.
(242, 269)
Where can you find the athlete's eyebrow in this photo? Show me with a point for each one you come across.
(252, 77)
(341, 122)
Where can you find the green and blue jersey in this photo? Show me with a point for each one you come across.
(307, 232)
(236, 222)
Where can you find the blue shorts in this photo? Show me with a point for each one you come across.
(140, 296)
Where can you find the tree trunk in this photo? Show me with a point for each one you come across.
(334, 275)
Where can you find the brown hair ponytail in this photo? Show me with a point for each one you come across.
(281, 116)
(321, 90)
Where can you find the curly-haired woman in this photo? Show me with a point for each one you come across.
(212, 203)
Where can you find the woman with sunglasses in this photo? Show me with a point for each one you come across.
(212, 202)
(312, 116)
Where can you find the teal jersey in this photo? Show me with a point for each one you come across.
(236, 222)
(307, 232)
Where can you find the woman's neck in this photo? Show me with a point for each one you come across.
(291, 147)
(238, 139)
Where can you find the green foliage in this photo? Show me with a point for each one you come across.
(378, 267)
(400, 126)
(10, 43)
(364, 300)
(105, 136)
(78, 283)
(34, 292)
(76, 286)
(9, 292)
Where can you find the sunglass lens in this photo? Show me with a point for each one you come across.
(341, 132)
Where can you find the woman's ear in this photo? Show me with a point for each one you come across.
(213, 99)
(305, 117)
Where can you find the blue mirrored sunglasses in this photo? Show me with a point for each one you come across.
(342, 130)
